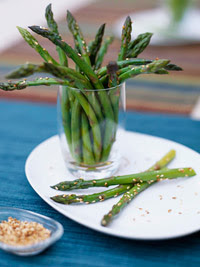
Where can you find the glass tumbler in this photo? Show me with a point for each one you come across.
(91, 124)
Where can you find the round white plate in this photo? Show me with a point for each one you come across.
(167, 209)
(156, 21)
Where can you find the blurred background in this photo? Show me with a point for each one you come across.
(177, 37)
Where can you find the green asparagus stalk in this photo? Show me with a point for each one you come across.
(125, 199)
(95, 127)
(125, 39)
(63, 72)
(54, 28)
(88, 155)
(76, 131)
(66, 103)
(114, 192)
(144, 69)
(138, 45)
(78, 37)
(113, 81)
(96, 44)
(136, 189)
(136, 61)
(124, 63)
(102, 52)
(34, 44)
(25, 71)
(20, 85)
(127, 179)
(92, 198)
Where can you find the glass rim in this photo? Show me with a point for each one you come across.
(93, 90)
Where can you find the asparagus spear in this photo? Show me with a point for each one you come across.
(136, 61)
(125, 199)
(96, 44)
(127, 179)
(72, 198)
(78, 37)
(138, 45)
(63, 72)
(88, 155)
(95, 127)
(66, 103)
(54, 28)
(114, 192)
(124, 63)
(25, 71)
(130, 194)
(113, 81)
(126, 38)
(144, 69)
(19, 85)
(102, 52)
(34, 44)
(76, 131)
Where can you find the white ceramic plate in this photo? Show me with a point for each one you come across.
(166, 210)
(156, 20)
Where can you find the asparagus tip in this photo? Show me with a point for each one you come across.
(112, 67)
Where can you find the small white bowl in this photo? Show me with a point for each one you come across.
(24, 215)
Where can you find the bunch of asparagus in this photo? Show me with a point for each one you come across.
(89, 117)
(131, 185)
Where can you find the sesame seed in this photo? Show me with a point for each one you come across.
(103, 222)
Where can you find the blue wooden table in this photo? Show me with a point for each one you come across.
(22, 127)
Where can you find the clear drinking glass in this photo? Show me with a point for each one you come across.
(91, 124)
